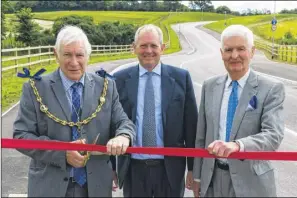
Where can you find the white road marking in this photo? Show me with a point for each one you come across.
(18, 195)
(10, 108)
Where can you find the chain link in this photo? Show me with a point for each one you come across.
(44, 108)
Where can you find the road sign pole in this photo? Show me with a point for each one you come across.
(273, 30)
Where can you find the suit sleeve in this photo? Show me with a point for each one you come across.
(26, 127)
(272, 125)
(200, 135)
(190, 119)
(120, 123)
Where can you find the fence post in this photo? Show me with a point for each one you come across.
(39, 55)
(29, 57)
(110, 49)
(16, 56)
(49, 54)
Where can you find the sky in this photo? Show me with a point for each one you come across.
(243, 5)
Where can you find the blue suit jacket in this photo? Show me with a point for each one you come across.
(179, 116)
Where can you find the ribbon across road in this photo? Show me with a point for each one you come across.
(167, 151)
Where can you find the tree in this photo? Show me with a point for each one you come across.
(201, 5)
(27, 30)
(223, 9)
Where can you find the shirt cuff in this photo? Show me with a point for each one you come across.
(197, 180)
(241, 145)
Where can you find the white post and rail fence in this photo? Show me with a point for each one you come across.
(16, 58)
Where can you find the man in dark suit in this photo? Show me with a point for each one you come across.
(160, 100)
(72, 95)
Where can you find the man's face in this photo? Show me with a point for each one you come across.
(148, 50)
(73, 60)
(236, 55)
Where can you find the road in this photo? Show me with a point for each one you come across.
(201, 57)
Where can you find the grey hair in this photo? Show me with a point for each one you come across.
(238, 30)
(69, 34)
(149, 28)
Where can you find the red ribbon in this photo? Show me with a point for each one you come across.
(168, 151)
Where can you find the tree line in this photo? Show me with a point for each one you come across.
(134, 5)
(28, 33)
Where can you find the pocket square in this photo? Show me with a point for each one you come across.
(252, 104)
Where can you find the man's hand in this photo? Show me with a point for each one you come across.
(196, 188)
(220, 148)
(189, 180)
(74, 158)
(115, 181)
(118, 145)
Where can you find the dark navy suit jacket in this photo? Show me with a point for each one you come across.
(179, 116)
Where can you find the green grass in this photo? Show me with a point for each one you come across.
(103, 16)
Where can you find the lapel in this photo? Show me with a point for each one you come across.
(59, 92)
(89, 96)
(218, 91)
(132, 87)
(167, 87)
(248, 91)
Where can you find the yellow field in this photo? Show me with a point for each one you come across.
(282, 27)
(251, 21)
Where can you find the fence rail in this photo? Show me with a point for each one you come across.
(286, 53)
(22, 57)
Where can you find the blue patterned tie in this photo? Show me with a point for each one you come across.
(232, 104)
(79, 174)
(149, 122)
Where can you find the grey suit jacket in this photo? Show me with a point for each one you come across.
(49, 171)
(261, 129)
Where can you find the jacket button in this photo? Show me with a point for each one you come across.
(66, 179)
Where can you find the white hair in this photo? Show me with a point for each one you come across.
(238, 30)
(69, 34)
(149, 28)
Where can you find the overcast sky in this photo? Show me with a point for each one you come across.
(243, 5)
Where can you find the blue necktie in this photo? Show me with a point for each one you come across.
(79, 174)
(232, 104)
(149, 122)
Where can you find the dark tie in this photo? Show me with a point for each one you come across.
(232, 104)
(149, 122)
(79, 174)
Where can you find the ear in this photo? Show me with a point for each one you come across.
(56, 55)
(133, 47)
(253, 51)
(163, 47)
(221, 52)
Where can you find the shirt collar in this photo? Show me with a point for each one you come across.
(241, 81)
(67, 83)
(156, 70)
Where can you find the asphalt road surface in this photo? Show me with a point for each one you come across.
(201, 57)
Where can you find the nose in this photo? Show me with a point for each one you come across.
(73, 60)
(148, 49)
(234, 54)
